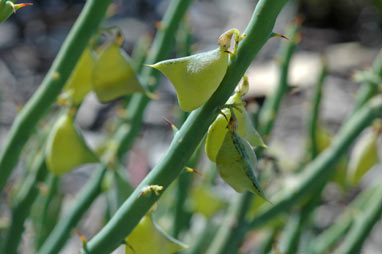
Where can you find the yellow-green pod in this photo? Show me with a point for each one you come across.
(79, 83)
(66, 147)
(113, 75)
(218, 128)
(363, 157)
(148, 238)
(195, 77)
(205, 202)
(236, 162)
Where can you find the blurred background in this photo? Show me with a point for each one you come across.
(346, 33)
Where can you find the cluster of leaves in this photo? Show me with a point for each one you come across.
(204, 84)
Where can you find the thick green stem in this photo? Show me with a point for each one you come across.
(71, 50)
(319, 171)
(85, 198)
(189, 136)
(23, 204)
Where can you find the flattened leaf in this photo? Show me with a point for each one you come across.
(79, 83)
(236, 162)
(195, 78)
(148, 238)
(114, 75)
(363, 157)
(218, 128)
(66, 147)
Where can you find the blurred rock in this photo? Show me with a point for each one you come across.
(8, 33)
(303, 72)
(345, 57)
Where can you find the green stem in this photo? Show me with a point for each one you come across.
(342, 224)
(189, 136)
(319, 170)
(363, 225)
(84, 199)
(271, 106)
(314, 117)
(269, 240)
(182, 215)
(291, 236)
(232, 222)
(71, 50)
(369, 89)
(23, 204)
(203, 239)
(44, 225)
(125, 134)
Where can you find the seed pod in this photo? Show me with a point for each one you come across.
(236, 162)
(218, 130)
(79, 83)
(148, 238)
(66, 148)
(363, 157)
(113, 75)
(195, 77)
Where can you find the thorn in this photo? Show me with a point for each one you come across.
(191, 170)
(15, 7)
(279, 35)
(173, 127)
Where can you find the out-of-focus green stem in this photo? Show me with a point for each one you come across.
(291, 236)
(61, 231)
(71, 50)
(233, 220)
(23, 203)
(182, 216)
(342, 224)
(363, 225)
(272, 103)
(369, 89)
(189, 136)
(201, 242)
(314, 116)
(53, 188)
(269, 240)
(319, 170)
(124, 136)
